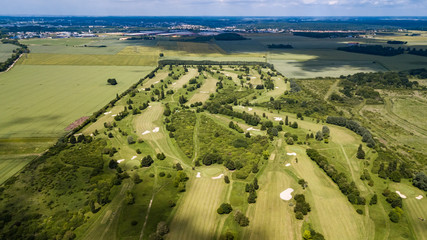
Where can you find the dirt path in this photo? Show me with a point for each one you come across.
(348, 162)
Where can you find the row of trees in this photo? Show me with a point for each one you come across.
(16, 53)
(373, 49)
(348, 189)
(227, 110)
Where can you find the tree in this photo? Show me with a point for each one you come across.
(136, 179)
(112, 81)
(226, 179)
(395, 214)
(420, 181)
(395, 176)
(130, 140)
(241, 219)
(373, 200)
(325, 131)
(130, 199)
(113, 164)
(248, 135)
(252, 197)
(255, 184)
(72, 139)
(225, 208)
(360, 152)
(286, 120)
(319, 136)
(290, 141)
(162, 228)
(146, 161)
(294, 125)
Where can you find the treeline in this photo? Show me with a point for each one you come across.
(216, 108)
(347, 188)
(283, 46)
(16, 53)
(209, 62)
(373, 49)
(325, 34)
(419, 72)
(385, 79)
(353, 126)
(396, 42)
(419, 52)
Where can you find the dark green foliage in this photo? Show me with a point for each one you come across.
(381, 80)
(348, 189)
(280, 46)
(395, 214)
(87, 155)
(182, 124)
(252, 197)
(162, 228)
(161, 156)
(301, 206)
(373, 49)
(226, 179)
(146, 161)
(395, 176)
(112, 81)
(373, 200)
(394, 199)
(225, 208)
(136, 179)
(219, 107)
(294, 125)
(420, 181)
(319, 136)
(113, 164)
(359, 211)
(229, 37)
(303, 183)
(241, 219)
(360, 152)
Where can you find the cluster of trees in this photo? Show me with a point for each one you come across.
(386, 166)
(210, 63)
(225, 208)
(396, 42)
(373, 49)
(229, 37)
(348, 189)
(147, 161)
(180, 179)
(382, 80)
(420, 181)
(251, 188)
(301, 207)
(112, 81)
(396, 203)
(216, 108)
(353, 126)
(235, 126)
(121, 115)
(161, 231)
(16, 53)
(311, 234)
(283, 46)
(181, 127)
(419, 52)
(241, 219)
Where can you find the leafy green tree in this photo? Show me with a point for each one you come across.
(395, 176)
(73, 139)
(420, 181)
(373, 200)
(360, 152)
(226, 179)
(286, 120)
(255, 184)
(241, 219)
(136, 179)
(325, 131)
(252, 197)
(225, 208)
(112, 81)
(319, 136)
(147, 161)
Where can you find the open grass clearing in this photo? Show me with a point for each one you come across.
(192, 72)
(43, 100)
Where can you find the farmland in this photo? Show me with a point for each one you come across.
(158, 161)
(6, 51)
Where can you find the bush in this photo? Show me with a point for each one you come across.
(147, 161)
(359, 211)
(225, 208)
(241, 219)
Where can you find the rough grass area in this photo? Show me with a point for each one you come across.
(6, 51)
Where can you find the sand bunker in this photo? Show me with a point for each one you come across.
(156, 129)
(133, 158)
(249, 109)
(288, 164)
(106, 113)
(419, 197)
(114, 115)
(277, 87)
(401, 195)
(220, 176)
(252, 129)
(286, 195)
(121, 160)
(291, 154)
(198, 175)
(278, 119)
(146, 132)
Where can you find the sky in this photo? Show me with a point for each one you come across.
(214, 7)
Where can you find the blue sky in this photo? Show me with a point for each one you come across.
(216, 7)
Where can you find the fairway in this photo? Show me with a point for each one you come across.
(196, 217)
(43, 100)
(204, 91)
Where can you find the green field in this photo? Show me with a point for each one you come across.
(44, 100)
(6, 51)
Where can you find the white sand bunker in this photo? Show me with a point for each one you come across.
(278, 119)
(277, 87)
(174, 83)
(133, 158)
(286, 195)
(146, 132)
(106, 113)
(220, 176)
(114, 115)
(419, 197)
(291, 154)
(401, 195)
(249, 109)
(288, 164)
(156, 129)
(198, 175)
(156, 82)
(121, 160)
